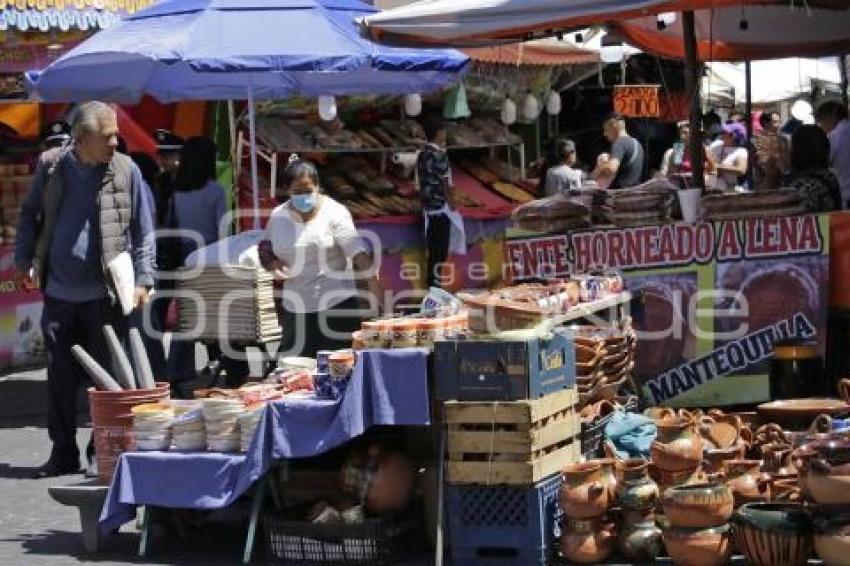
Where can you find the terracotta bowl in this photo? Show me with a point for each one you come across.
(773, 534)
(698, 547)
(700, 505)
(828, 489)
(832, 535)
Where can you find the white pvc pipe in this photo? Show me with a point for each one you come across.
(252, 135)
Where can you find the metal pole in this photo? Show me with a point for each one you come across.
(692, 86)
(842, 67)
(748, 113)
(252, 134)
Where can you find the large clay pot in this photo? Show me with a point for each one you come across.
(635, 489)
(678, 446)
(742, 479)
(588, 541)
(698, 505)
(659, 413)
(589, 489)
(773, 534)
(832, 536)
(698, 547)
(640, 539)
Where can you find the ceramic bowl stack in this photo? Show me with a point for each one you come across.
(604, 361)
(221, 421)
(188, 431)
(248, 422)
(152, 425)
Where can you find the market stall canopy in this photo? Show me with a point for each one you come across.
(773, 81)
(820, 26)
(217, 49)
(544, 52)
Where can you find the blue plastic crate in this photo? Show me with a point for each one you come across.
(503, 524)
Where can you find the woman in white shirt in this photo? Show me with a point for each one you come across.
(313, 248)
(728, 160)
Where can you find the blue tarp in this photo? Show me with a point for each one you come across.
(216, 49)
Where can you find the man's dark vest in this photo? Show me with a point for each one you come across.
(114, 205)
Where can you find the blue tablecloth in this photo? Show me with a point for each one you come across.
(388, 387)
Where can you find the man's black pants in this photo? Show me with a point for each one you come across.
(64, 325)
(438, 235)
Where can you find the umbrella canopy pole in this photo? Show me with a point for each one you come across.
(252, 135)
(692, 86)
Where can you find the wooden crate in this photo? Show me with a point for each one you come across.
(512, 443)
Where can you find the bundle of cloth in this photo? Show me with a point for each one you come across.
(732, 206)
(552, 214)
(648, 203)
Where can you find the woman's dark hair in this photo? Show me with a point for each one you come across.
(767, 117)
(197, 164)
(296, 169)
(148, 167)
(809, 149)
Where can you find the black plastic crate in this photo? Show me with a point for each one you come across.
(592, 434)
(376, 541)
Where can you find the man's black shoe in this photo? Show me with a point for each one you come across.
(54, 469)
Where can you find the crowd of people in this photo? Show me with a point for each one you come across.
(814, 159)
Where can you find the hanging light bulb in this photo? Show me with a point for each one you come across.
(327, 108)
(611, 49)
(413, 104)
(802, 111)
(508, 111)
(530, 107)
(665, 19)
(553, 103)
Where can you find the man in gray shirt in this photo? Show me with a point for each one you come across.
(625, 162)
(86, 206)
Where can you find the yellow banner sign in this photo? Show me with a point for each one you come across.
(637, 101)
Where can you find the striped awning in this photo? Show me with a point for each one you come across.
(65, 15)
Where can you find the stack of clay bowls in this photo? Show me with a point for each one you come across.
(604, 361)
(152, 425)
(696, 530)
(221, 421)
(187, 431)
(587, 495)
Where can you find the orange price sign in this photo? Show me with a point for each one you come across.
(637, 101)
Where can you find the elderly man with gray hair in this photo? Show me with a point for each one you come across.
(87, 205)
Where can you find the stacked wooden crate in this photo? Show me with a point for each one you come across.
(512, 426)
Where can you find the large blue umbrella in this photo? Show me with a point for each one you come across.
(241, 49)
(215, 49)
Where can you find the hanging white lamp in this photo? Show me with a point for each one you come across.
(508, 111)
(327, 108)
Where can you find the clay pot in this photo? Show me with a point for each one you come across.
(773, 534)
(659, 413)
(698, 547)
(640, 539)
(844, 390)
(588, 542)
(589, 489)
(742, 479)
(777, 459)
(666, 480)
(391, 488)
(678, 446)
(780, 488)
(714, 459)
(635, 489)
(826, 488)
(832, 536)
(698, 505)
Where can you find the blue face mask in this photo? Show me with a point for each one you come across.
(303, 203)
